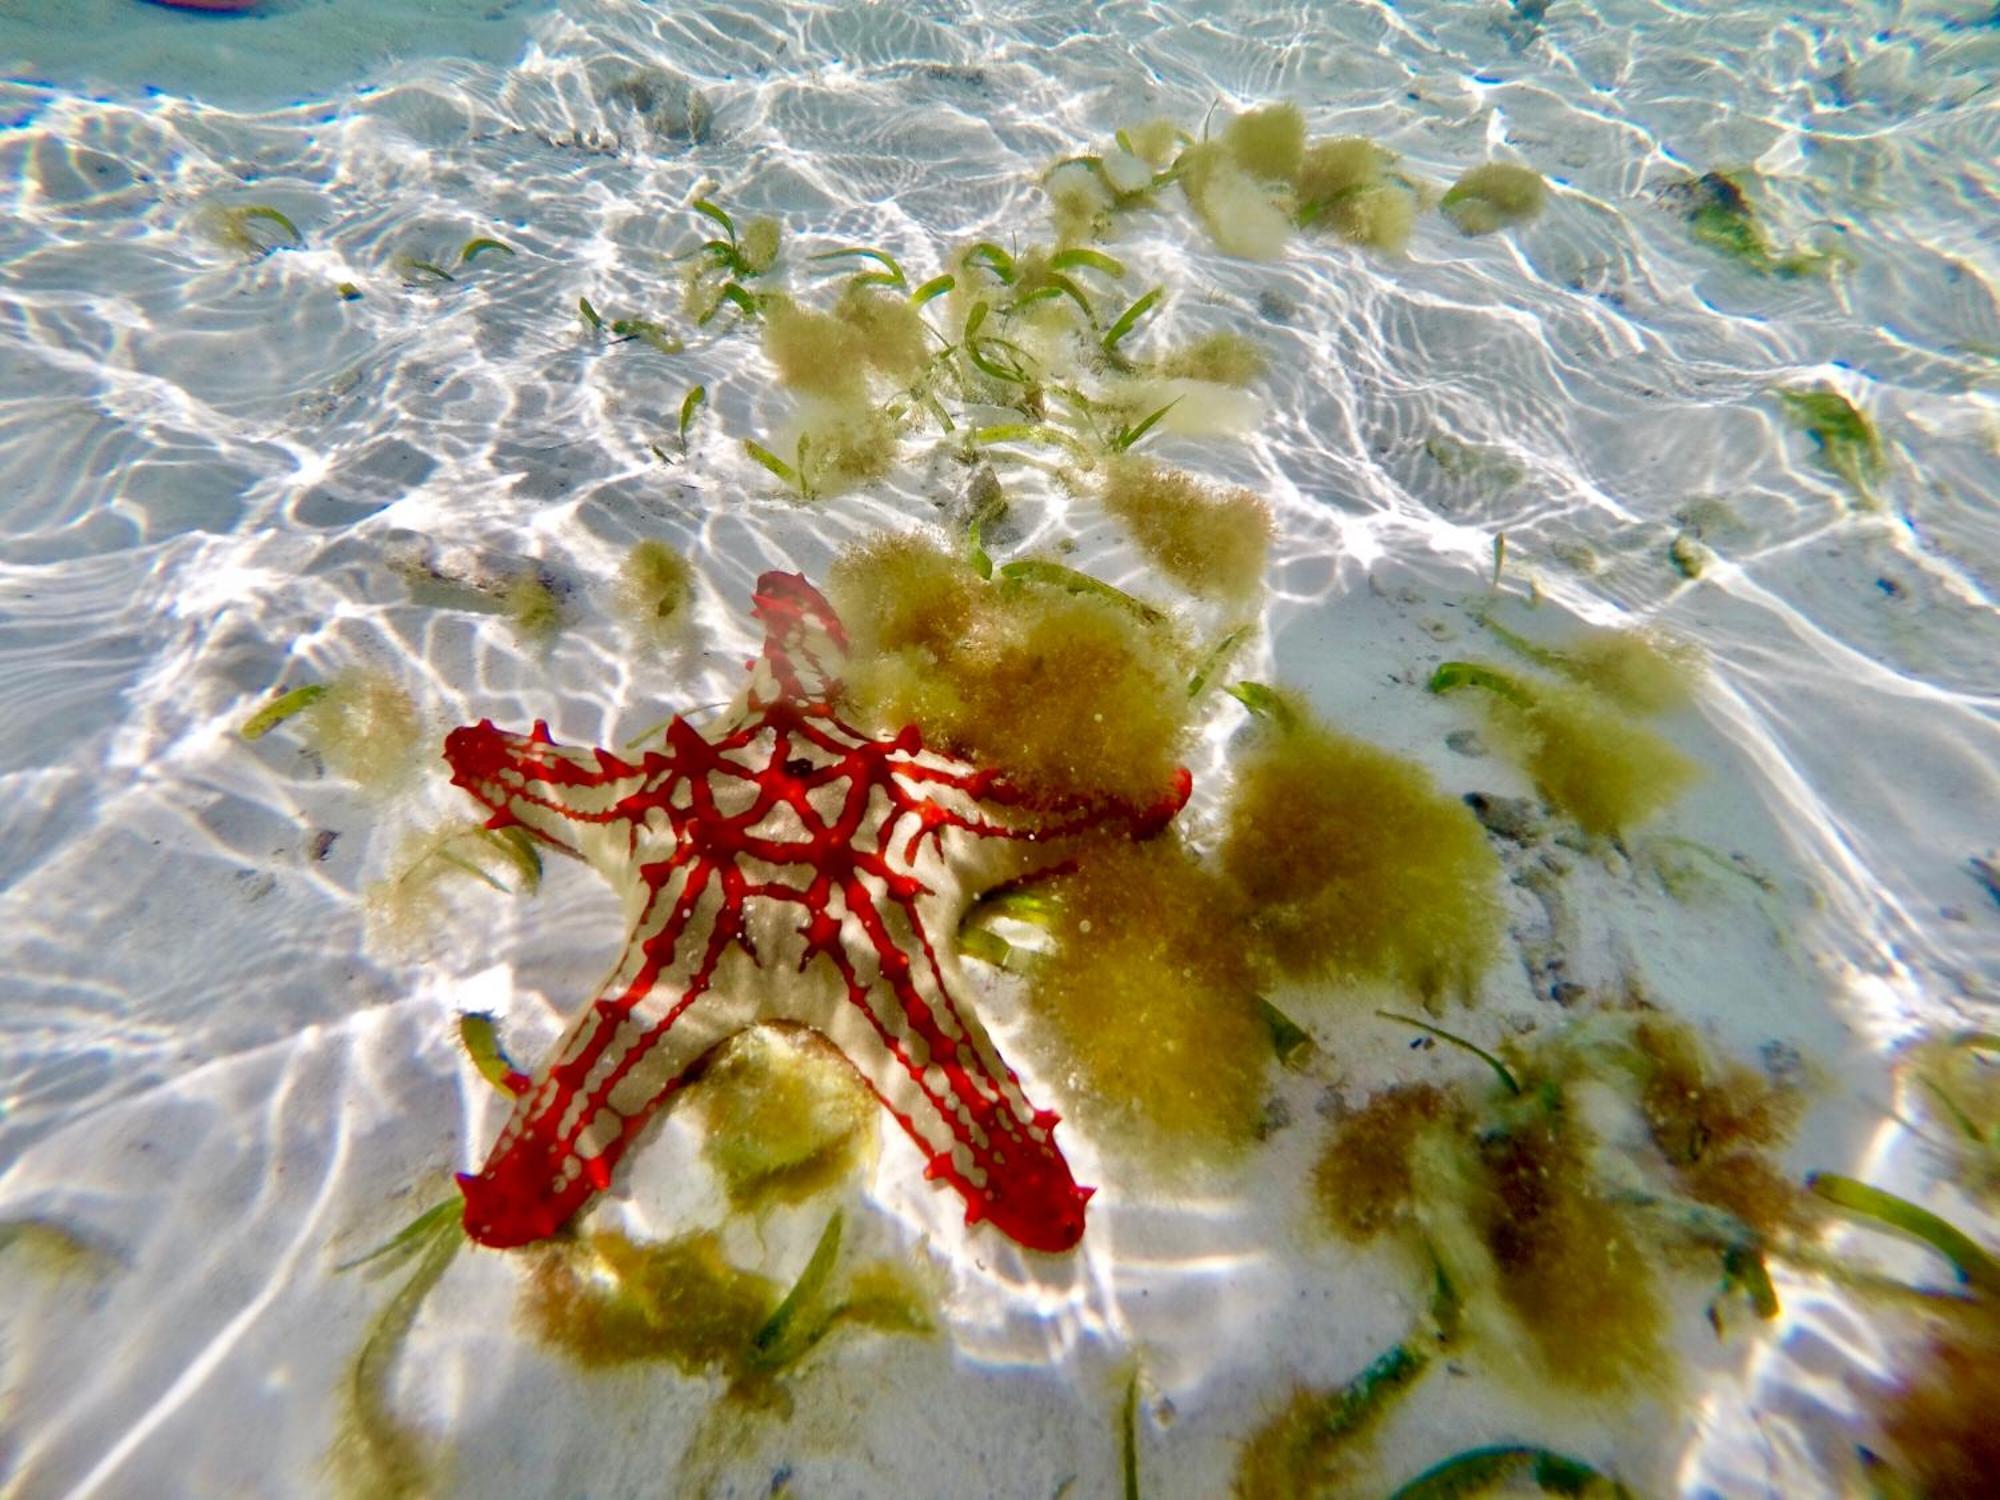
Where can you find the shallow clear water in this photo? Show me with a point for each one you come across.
(217, 474)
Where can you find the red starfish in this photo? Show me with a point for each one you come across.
(783, 834)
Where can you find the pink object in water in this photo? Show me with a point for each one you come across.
(214, 5)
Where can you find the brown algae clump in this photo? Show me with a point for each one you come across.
(1152, 1004)
(1494, 196)
(1565, 1264)
(1363, 1182)
(1940, 1439)
(1355, 866)
(611, 1301)
(1601, 768)
(656, 591)
(1212, 542)
(1714, 1123)
(785, 1114)
(1067, 692)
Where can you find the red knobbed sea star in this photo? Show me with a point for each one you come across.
(782, 867)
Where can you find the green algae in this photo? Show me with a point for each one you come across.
(1495, 195)
(1147, 999)
(247, 228)
(1500, 1069)
(784, 1116)
(1353, 866)
(1721, 216)
(1480, 1470)
(479, 1035)
(360, 722)
(1976, 1267)
(1841, 432)
(375, 1454)
(281, 708)
(483, 245)
(656, 591)
(1588, 760)
(1212, 542)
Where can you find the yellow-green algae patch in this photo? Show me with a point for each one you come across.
(656, 591)
(1241, 213)
(1354, 866)
(1345, 185)
(1494, 196)
(46, 1249)
(935, 645)
(1223, 357)
(364, 727)
(786, 1116)
(757, 248)
(830, 354)
(375, 1454)
(815, 353)
(534, 609)
(1150, 1005)
(1211, 541)
(1603, 769)
(609, 1300)
(1643, 670)
(1268, 142)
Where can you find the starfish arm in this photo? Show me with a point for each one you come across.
(577, 800)
(936, 1070)
(657, 1016)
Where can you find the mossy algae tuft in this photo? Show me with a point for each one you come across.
(1151, 1005)
(785, 1116)
(1603, 769)
(937, 646)
(1355, 866)
(1213, 542)
(1494, 196)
